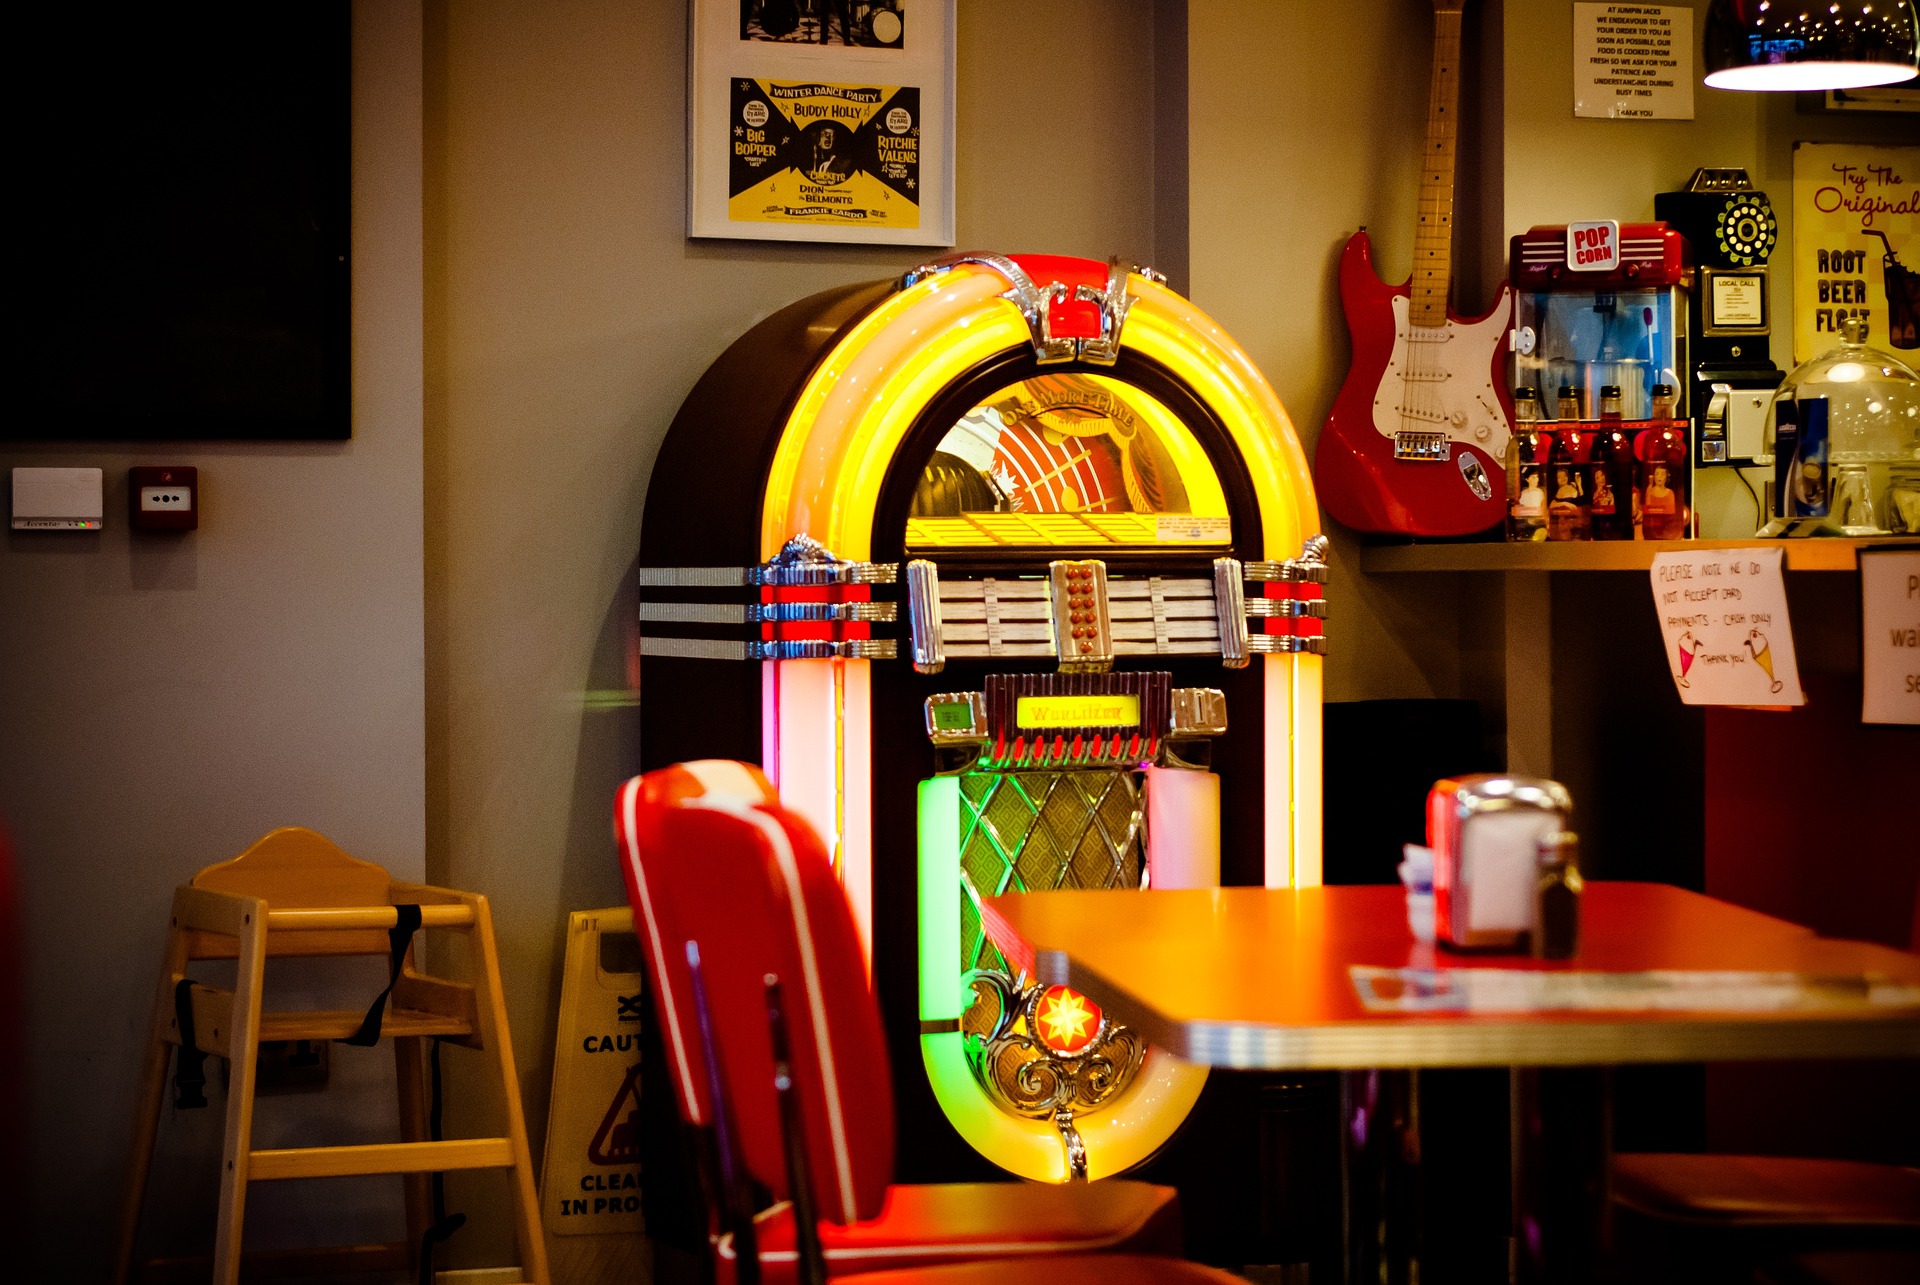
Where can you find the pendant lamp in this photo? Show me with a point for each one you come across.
(1810, 44)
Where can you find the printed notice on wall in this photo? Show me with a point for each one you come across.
(1633, 61)
(1723, 620)
(1890, 635)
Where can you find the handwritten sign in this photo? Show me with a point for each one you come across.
(1633, 61)
(1890, 635)
(1723, 620)
(1856, 246)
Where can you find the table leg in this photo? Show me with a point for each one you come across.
(1562, 1175)
(1380, 1156)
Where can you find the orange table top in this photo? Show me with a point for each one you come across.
(1252, 977)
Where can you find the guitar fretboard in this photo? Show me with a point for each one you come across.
(1433, 238)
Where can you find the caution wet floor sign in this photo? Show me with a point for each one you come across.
(591, 1181)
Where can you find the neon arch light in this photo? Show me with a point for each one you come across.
(834, 454)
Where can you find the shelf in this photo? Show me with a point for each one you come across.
(1812, 554)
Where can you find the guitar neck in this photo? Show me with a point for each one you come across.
(1433, 238)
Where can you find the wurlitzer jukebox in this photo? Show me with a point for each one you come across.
(1016, 560)
(1731, 228)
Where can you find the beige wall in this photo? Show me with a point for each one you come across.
(568, 315)
(166, 699)
(1301, 130)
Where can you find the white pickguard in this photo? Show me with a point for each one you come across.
(1440, 380)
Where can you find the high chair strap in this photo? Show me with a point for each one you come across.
(189, 1064)
(406, 921)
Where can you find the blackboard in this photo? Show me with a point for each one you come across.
(179, 221)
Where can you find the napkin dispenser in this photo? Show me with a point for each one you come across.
(1484, 832)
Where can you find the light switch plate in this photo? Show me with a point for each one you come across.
(58, 499)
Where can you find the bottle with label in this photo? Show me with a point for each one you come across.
(1567, 408)
(1570, 483)
(1526, 470)
(1610, 468)
(1807, 486)
(1556, 896)
(1661, 483)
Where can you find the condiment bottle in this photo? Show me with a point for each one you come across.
(1527, 470)
(1661, 485)
(1569, 484)
(1556, 896)
(1610, 468)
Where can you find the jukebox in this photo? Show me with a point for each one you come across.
(1008, 574)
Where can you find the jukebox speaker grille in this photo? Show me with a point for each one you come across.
(1034, 831)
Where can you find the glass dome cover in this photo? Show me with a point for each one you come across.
(1873, 425)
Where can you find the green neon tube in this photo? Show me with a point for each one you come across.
(940, 899)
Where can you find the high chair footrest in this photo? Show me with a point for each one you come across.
(339, 1025)
(382, 1157)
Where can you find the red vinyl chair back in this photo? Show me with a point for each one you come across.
(709, 856)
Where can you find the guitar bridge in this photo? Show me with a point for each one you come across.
(1420, 446)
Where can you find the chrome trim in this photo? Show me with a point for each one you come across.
(1171, 588)
(695, 648)
(977, 733)
(693, 613)
(824, 649)
(1082, 627)
(1417, 446)
(780, 612)
(1198, 711)
(1172, 647)
(1229, 606)
(1290, 571)
(1314, 607)
(805, 561)
(1028, 1078)
(1285, 644)
(1075, 1145)
(923, 615)
(1114, 302)
(997, 649)
(1021, 292)
(693, 577)
(1035, 300)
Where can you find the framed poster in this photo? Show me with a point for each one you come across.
(821, 120)
(1856, 246)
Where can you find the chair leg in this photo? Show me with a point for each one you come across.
(409, 1064)
(493, 1034)
(153, 1090)
(243, 1043)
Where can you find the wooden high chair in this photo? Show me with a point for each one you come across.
(293, 893)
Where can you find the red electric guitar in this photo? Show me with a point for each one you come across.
(1415, 443)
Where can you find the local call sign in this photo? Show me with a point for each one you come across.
(1593, 247)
